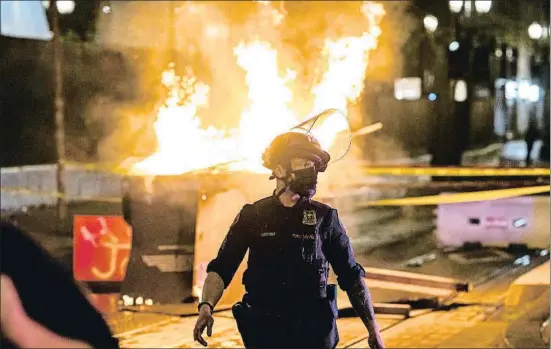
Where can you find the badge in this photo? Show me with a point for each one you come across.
(309, 217)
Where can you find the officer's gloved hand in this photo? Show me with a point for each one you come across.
(205, 319)
(375, 341)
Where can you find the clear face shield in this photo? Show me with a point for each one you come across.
(332, 129)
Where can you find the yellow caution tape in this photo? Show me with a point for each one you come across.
(461, 197)
(411, 201)
(456, 171)
(376, 170)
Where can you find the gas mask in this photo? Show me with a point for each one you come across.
(305, 181)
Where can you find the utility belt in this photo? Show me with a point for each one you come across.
(253, 311)
(299, 286)
(289, 298)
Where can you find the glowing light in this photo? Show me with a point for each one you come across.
(483, 6)
(528, 91)
(431, 23)
(454, 46)
(456, 5)
(460, 92)
(535, 31)
(65, 6)
(511, 90)
(408, 88)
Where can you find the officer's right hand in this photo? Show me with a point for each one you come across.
(205, 319)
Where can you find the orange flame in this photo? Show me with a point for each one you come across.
(183, 145)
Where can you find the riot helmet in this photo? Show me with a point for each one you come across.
(294, 144)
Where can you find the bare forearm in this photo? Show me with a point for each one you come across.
(33, 335)
(361, 302)
(213, 289)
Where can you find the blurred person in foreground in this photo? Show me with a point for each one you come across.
(41, 305)
(292, 240)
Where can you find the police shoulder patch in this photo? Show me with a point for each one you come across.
(309, 217)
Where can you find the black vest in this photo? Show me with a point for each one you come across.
(286, 261)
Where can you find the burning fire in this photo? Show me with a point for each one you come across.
(185, 145)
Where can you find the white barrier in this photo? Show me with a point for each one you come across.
(35, 185)
(38, 186)
(496, 223)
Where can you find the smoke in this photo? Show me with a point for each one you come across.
(204, 36)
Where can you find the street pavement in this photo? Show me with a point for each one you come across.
(477, 319)
(462, 320)
(176, 332)
(401, 240)
(527, 309)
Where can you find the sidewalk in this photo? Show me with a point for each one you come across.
(479, 320)
(527, 305)
(513, 154)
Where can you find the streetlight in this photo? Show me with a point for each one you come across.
(460, 91)
(535, 31)
(454, 46)
(483, 6)
(431, 23)
(456, 5)
(64, 7)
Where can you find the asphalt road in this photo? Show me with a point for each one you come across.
(455, 323)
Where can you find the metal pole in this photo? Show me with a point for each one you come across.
(442, 124)
(59, 108)
(463, 109)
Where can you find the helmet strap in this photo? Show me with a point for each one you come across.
(287, 179)
(281, 191)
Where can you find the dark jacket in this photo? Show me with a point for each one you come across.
(48, 292)
(291, 249)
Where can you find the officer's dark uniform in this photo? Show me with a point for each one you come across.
(286, 279)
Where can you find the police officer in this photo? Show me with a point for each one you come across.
(292, 241)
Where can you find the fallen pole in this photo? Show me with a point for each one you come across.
(408, 278)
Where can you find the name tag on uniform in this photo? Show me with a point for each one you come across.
(267, 234)
(305, 236)
(309, 217)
